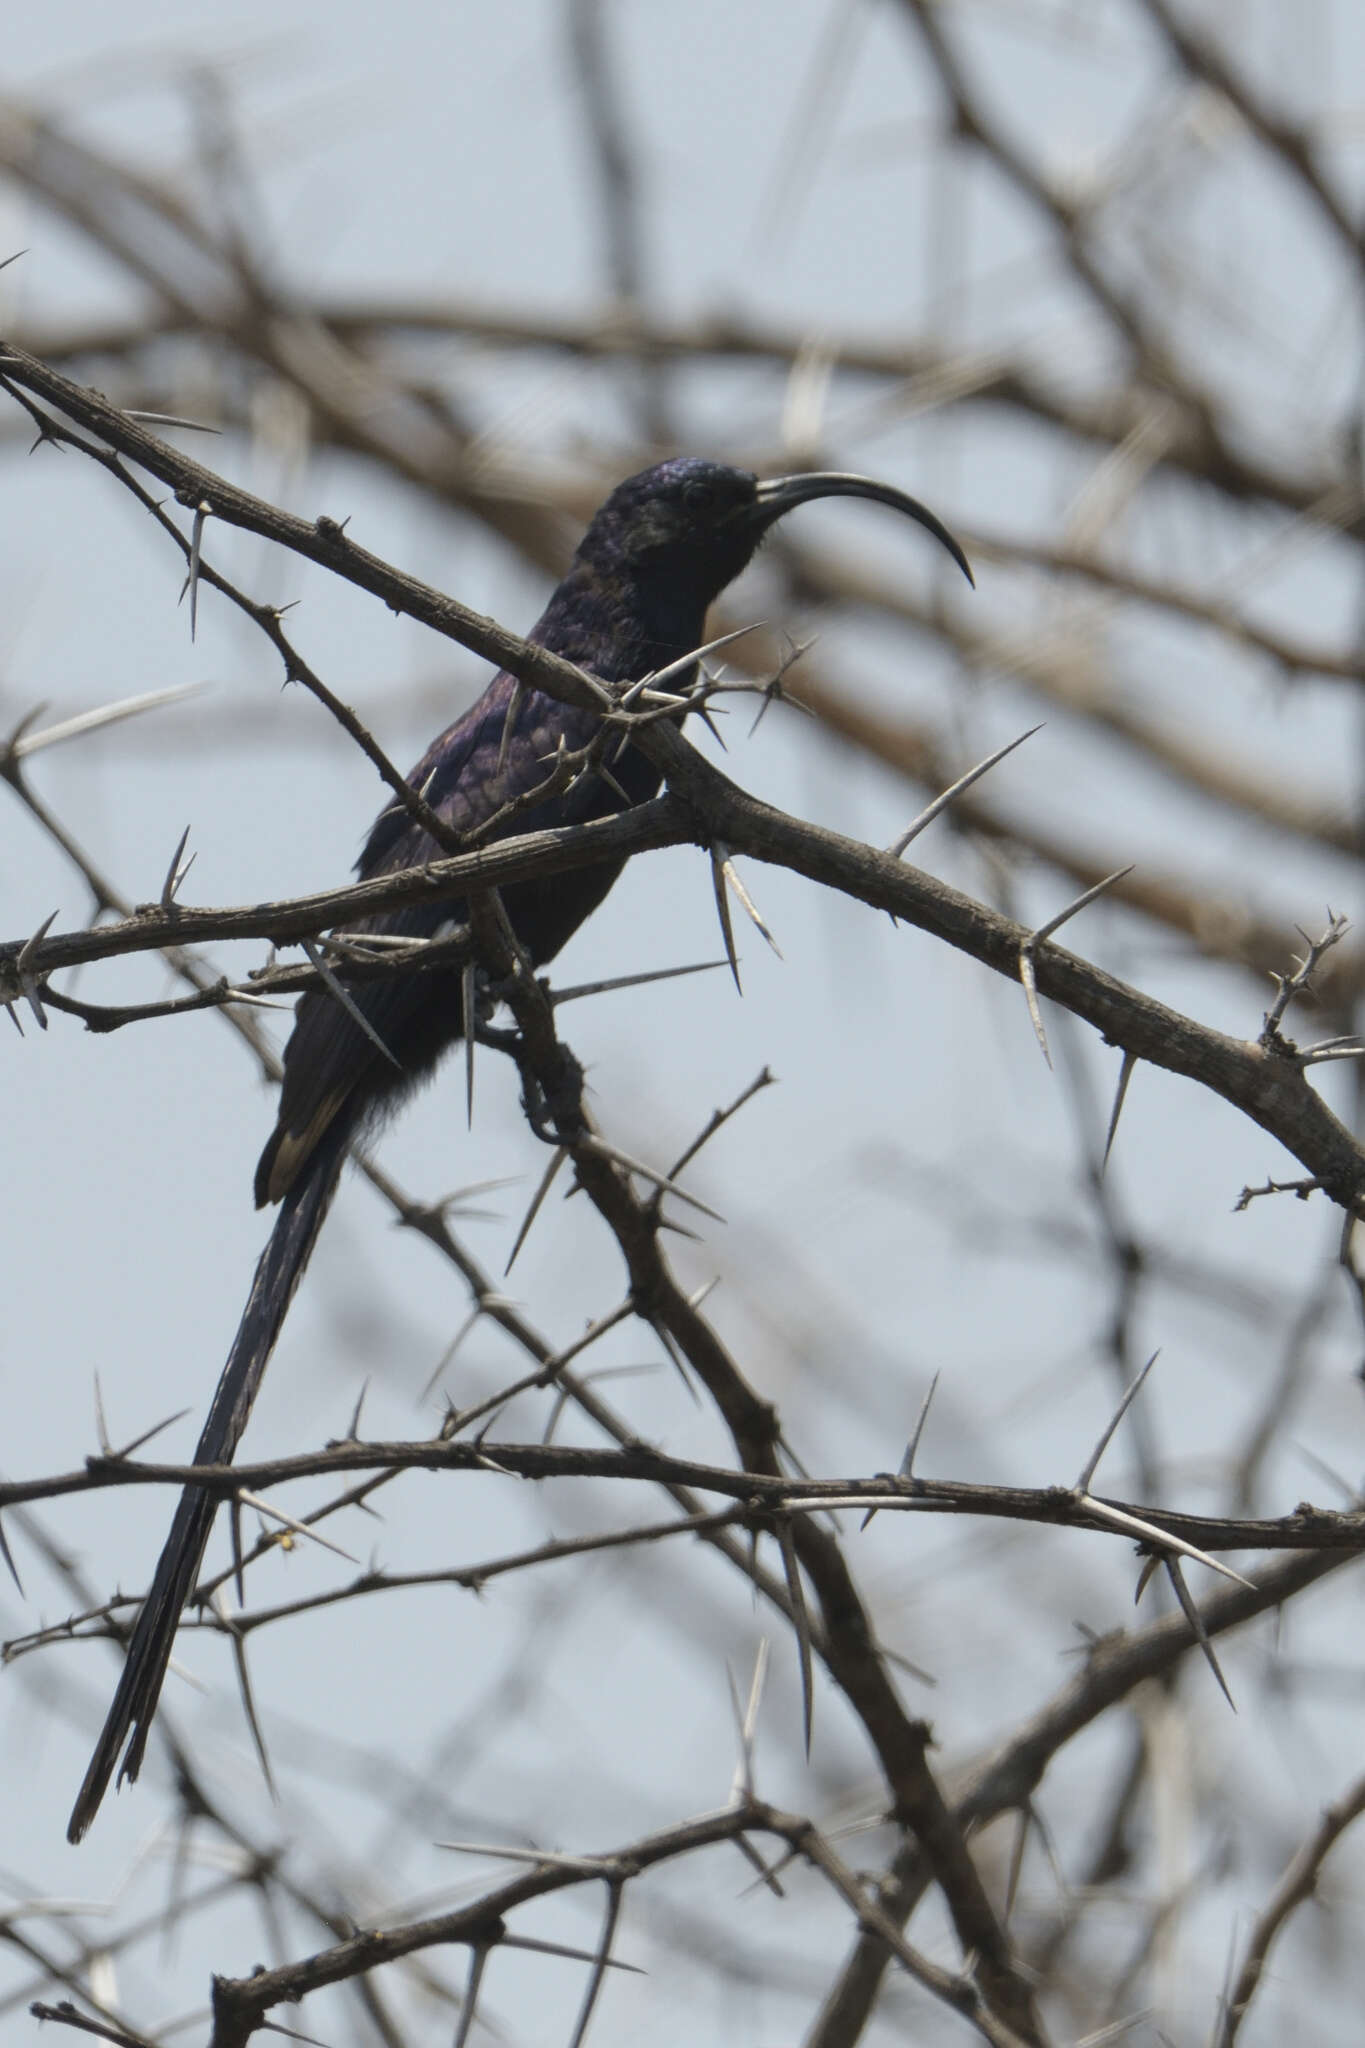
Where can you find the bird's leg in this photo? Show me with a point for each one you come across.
(534, 1100)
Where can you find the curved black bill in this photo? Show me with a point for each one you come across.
(781, 493)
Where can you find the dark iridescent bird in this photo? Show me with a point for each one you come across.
(662, 547)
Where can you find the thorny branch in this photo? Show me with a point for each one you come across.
(707, 807)
(759, 1494)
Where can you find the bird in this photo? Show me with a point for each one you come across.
(655, 555)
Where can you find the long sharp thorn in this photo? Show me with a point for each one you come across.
(911, 1670)
(1017, 1847)
(908, 1461)
(619, 981)
(1196, 1622)
(797, 1594)
(1150, 1565)
(756, 1684)
(746, 1720)
(720, 861)
(252, 1002)
(732, 878)
(1163, 1538)
(1030, 985)
(600, 1964)
(561, 1153)
(766, 1875)
(1125, 1076)
(1045, 931)
(707, 718)
(31, 945)
(478, 1957)
(238, 1559)
(907, 1464)
(720, 1117)
(551, 1859)
(304, 1529)
(1027, 972)
(650, 1173)
(27, 981)
(12, 1568)
(954, 790)
(741, 1781)
(347, 1002)
(661, 676)
(1130, 1394)
(677, 1360)
(468, 1004)
(13, 747)
(1345, 1048)
(238, 1641)
(456, 1341)
(681, 1230)
(561, 1402)
(173, 875)
(604, 773)
(558, 1948)
(1044, 1834)
(1350, 1495)
(201, 513)
(1120, 2029)
(23, 742)
(169, 419)
(102, 1437)
(126, 1450)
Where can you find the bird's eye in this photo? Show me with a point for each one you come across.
(698, 493)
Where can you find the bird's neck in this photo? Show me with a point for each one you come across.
(621, 625)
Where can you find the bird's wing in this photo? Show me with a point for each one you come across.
(504, 745)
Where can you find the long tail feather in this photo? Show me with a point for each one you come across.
(278, 1272)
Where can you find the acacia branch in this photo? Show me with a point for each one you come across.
(240, 2005)
(1267, 1086)
(757, 1491)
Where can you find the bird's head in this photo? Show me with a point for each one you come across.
(693, 524)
